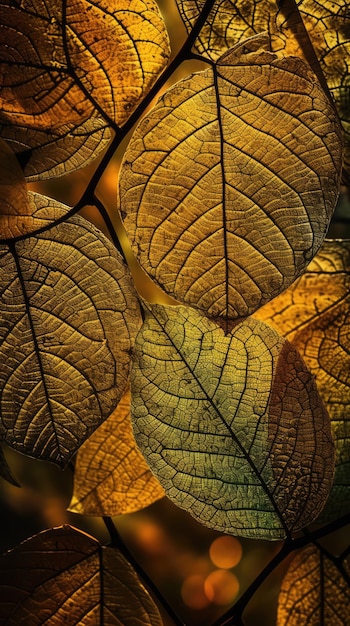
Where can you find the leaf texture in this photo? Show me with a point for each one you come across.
(326, 22)
(228, 185)
(111, 476)
(314, 315)
(61, 61)
(232, 425)
(63, 576)
(69, 316)
(46, 154)
(14, 203)
(315, 590)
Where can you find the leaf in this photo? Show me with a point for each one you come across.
(62, 60)
(228, 185)
(232, 425)
(111, 476)
(45, 154)
(5, 471)
(315, 590)
(13, 193)
(326, 22)
(69, 317)
(314, 315)
(63, 576)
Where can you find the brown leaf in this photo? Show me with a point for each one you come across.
(111, 476)
(229, 183)
(69, 318)
(61, 61)
(314, 315)
(315, 590)
(15, 210)
(63, 576)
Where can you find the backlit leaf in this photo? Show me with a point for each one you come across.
(314, 315)
(326, 22)
(232, 425)
(63, 576)
(315, 591)
(46, 154)
(69, 317)
(14, 203)
(59, 61)
(228, 184)
(111, 476)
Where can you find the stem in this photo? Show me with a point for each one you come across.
(118, 542)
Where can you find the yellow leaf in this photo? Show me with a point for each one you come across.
(232, 425)
(69, 318)
(314, 315)
(315, 591)
(111, 476)
(63, 576)
(61, 61)
(228, 184)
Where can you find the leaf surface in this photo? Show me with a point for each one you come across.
(313, 314)
(5, 471)
(111, 476)
(232, 425)
(228, 185)
(63, 576)
(61, 61)
(315, 590)
(69, 318)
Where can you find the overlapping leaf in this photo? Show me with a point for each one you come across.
(228, 185)
(62, 63)
(69, 317)
(314, 315)
(63, 576)
(232, 425)
(231, 21)
(111, 476)
(315, 590)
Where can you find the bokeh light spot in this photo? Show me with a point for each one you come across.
(225, 552)
(221, 587)
(193, 594)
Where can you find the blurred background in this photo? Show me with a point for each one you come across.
(199, 571)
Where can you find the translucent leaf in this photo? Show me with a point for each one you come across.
(63, 576)
(111, 476)
(232, 425)
(69, 317)
(314, 315)
(60, 60)
(327, 23)
(228, 184)
(315, 591)
(46, 154)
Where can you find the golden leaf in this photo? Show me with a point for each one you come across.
(315, 590)
(314, 315)
(61, 61)
(111, 476)
(69, 317)
(232, 425)
(15, 210)
(228, 184)
(64, 576)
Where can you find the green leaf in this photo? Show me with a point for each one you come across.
(228, 184)
(232, 425)
(314, 315)
(315, 590)
(69, 318)
(63, 576)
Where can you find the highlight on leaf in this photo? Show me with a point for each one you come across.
(111, 476)
(232, 425)
(68, 60)
(14, 202)
(313, 314)
(69, 318)
(64, 576)
(315, 590)
(228, 185)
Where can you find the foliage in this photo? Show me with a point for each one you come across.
(229, 394)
